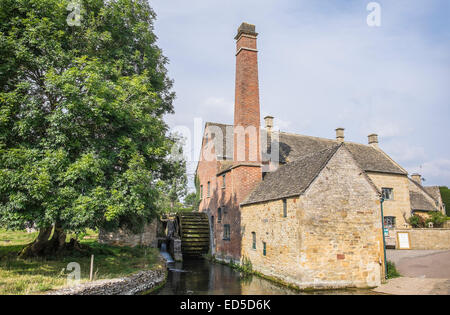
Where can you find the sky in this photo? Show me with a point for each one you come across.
(321, 66)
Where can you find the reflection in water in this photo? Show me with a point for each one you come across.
(201, 277)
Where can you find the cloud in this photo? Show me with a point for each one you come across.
(436, 172)
(320, 67)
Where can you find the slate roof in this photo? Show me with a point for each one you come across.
(223, 139)
(293, 147)
(368, 158)
(420, 199)
(291, 179)
(433, 191)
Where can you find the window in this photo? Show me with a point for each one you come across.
(253, 240)
(224, 181)
(388, 193)
(226, 232)
(389, 222)
(212, 223)
(284, 208)
(219, 215)
(264, 249)
(209, 189)
(201, 191)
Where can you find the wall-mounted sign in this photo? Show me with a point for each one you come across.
(403, 240)
(386, 232)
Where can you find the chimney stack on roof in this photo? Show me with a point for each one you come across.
(269, 122)
(340, 134)
(417, 178)
(373, 140)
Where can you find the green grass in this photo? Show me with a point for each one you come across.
(36, 276)
(392, 271)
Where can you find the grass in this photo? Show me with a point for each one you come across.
(392, 271)
(36, 276)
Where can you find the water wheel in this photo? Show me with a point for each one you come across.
(194, 232)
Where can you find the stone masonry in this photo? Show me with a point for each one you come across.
(331, 237)
(123, 237)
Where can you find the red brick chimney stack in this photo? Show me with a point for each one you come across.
(247, 108)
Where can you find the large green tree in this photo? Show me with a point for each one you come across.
(83, 143)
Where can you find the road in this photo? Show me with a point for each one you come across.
(424, 272)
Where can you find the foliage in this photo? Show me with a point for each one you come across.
(416, 221)
(83, 142)
(392, 271)
(192, 201)
(445, 193)
(32, 276)
(437, 218)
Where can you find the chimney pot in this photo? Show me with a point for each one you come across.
(269, 122)
(417, 178)
(340, 134)
(373, 140)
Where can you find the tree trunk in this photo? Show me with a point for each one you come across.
(37, 247)
(58, 240)
(57, 245)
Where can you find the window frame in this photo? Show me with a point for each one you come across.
(208, 195)
(224, 181)
(264, 248)
(383, 189)
(254, 240)
(392, 224)
(226, 232)
(219, 215)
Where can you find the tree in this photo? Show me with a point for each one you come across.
(192, 201)
(83, 143)
(445, 193)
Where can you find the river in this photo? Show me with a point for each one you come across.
(202, 277)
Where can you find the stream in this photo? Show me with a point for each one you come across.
(202, 277)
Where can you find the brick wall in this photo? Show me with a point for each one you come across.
(400, 206)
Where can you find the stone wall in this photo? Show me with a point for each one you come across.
(436, 239)
(331, 237)
(126, 238)
(400, 206)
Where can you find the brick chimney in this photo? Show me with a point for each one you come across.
(246, 108)
(340, 134)
(417, 178)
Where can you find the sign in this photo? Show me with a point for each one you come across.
(403, 240)
(386, 232)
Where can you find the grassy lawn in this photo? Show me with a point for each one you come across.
(37, 276)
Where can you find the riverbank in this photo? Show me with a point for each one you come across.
(114, 266)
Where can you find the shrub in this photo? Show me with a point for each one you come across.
(416, 221)
(437, 218)
(392, 271)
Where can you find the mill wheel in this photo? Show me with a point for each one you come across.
(194, 232)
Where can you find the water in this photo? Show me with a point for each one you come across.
(165, 254)
(201, 277)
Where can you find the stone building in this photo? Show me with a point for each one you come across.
(302, 209)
